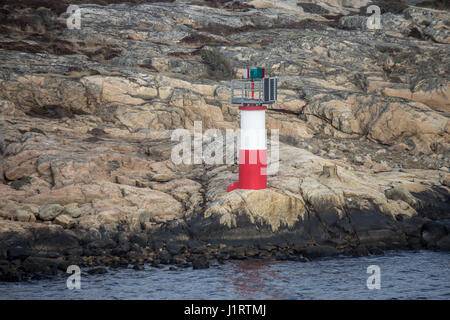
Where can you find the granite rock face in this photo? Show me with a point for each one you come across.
(87, 116)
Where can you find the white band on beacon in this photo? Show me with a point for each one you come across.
(253, 130)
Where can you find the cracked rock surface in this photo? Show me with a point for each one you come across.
(87, 115)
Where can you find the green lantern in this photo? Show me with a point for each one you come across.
(256, 73)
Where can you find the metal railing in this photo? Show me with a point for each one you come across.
(254, 91)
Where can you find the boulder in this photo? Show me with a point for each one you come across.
(19, 253)
(65, 221)
(9, 274)
(44, 265)
(24, 216)
(444, 243)
(200, 262)
(50, 211)
(97, 271)
(73, 210)
(320, 252)
(432, 232)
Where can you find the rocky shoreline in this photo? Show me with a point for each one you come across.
(86, 119)
(134, 250)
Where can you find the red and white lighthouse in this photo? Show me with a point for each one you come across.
(251, 93)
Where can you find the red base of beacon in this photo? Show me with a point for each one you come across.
(252, 170)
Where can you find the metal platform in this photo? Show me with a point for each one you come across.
(254, 91)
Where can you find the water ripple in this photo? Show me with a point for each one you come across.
(404, 275)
